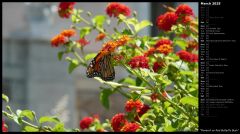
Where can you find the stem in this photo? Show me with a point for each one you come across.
(79, 58)
(123, 93)
(134, 33)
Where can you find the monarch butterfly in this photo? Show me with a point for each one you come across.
(101, 66)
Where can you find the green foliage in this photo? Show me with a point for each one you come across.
(90, 56)
(85, 31)
(45, 119)
(5, 98)
(104, 97)
(99, 20)
(190, 101)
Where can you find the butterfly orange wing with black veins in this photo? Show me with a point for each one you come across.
(101, 66)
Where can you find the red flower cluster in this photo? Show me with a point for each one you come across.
(182, 15)
(139, 62)
(164, 46)
(166, 21)
(149, 52)
(184, 9)
(87, 121)
(100, 37)
(83, 42)
(4, 128)
(65, 9)
(114, 9)
(58, 39)
(186, 56)
(165, 49)
(162, 42)
(68, 33)
(157, 66)
(154, 97)
(185, 19)
(143, 110)
(62, 38)
(130, 127)
(118, 121)
(133, 105)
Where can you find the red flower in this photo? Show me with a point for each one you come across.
(58, 40)
(185, 19)
(65, 9)
(154, 97)
(184, 35)
(139, 62)
(184, 9)
(68, 32)
(100, 36)
(157, 66)
(4, 128)
(149, 52)
(118, 121)
(130, 127)
(186, 56)
(162, 42)
(166, 21)
(86, 122)
(165, 49)
(114, 9)
(83, 42)
(133, 105)
(143, 110)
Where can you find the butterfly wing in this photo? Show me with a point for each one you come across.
(93, 68)
(101, 66)
(107, 69)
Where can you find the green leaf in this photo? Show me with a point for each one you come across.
(128, 81)
(90, 56)
(28, 113)
(59, 127)
(147, 117)
(5, 98)
(104, 97)
(60, 55)
(168, 126)
(181, 43)
(72, 65)
(142, 25)
(190, 101)
(85, 31)
(99, 20)
(170, 110)
(30, 129)
(126, 32)
(132, 21)
(49, 119)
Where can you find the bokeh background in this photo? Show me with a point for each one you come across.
(35, 79)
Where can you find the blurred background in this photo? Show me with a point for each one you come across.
(34, 78)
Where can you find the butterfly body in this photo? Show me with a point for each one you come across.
(101, 67)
